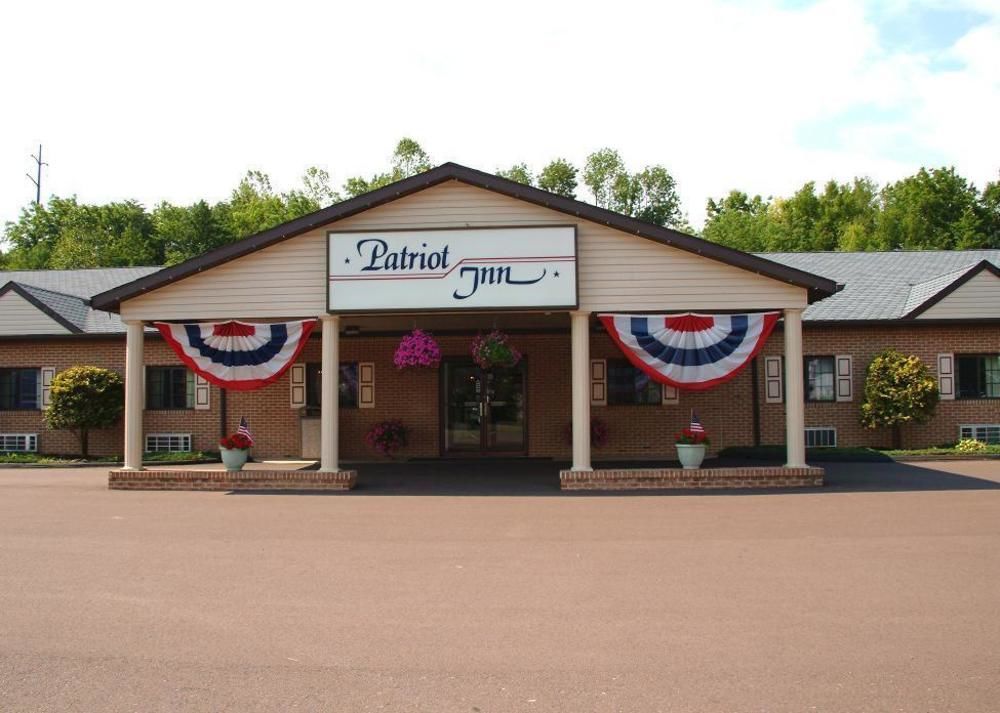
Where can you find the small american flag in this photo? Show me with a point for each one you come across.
(245, 429)
(696, 426)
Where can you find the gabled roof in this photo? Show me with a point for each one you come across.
(888, 285)
(43, 300)
(71, 308)
(64, 295)
(818, 287)
(927, 294)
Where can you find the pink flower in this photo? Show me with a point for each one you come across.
(417, 349)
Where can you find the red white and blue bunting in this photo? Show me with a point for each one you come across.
(690, 351)
(238, 355)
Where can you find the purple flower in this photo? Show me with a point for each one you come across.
(417, 349)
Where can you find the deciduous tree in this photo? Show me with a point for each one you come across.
(899, 389)
(559, 176)
(85, 398)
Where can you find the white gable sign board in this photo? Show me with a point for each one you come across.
(459, 269)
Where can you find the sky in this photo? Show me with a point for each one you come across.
(176, 101)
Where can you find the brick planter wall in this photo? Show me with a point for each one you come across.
(308, 480)
(678, 478)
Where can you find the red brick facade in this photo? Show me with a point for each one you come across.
(413, 396)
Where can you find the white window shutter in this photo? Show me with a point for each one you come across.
(671, 395)
(45, 386)
(843, 365)
(366, 384)
(202, 393)
(946, 376)
(297, 385)
(598, 382)
(774, 386)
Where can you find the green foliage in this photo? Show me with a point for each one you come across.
(84, 398)
(650, 194)
(518, 172)
(899, 389)
(408, 159)
(191, 230)
(970, 445)
(935, 209)
(559, 176)
(739, 221)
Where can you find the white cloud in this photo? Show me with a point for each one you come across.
(177, 101)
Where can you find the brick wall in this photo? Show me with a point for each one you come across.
(413, 396)
(109, 354)
(863, 343)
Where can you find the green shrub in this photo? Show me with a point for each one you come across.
(899, 389)
(970, 445)
(84, 398)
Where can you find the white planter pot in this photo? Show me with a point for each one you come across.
(691, 455)
(234, 458)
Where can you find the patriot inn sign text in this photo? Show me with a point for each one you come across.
(455, 269)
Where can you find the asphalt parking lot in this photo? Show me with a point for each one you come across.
(880, 592)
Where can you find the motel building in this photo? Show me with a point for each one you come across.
(619, 322)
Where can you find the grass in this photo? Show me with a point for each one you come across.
(159, 457)
(989, 450)
(855, 454)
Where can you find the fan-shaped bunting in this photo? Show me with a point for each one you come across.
(238, 355)
(690, 351)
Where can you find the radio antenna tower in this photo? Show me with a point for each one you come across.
(37, 179)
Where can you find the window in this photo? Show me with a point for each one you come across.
(978, 376)
(18, 442)
(19, 389)
(169, 387)
(985, 432)
(628, 385)
(347, 384)
(821, 437)
(820, 379)
(169, 442)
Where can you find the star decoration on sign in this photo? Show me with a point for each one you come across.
(347, 261)
(555, 274)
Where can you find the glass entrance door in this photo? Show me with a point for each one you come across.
(484, 411)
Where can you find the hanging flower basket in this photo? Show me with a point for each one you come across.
(387, 437)
(493, 350)
(417, 349)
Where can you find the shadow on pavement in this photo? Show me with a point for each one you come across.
(530, 477)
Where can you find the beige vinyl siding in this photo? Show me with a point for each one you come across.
(979, 298)
(617, 271)
(18, 316)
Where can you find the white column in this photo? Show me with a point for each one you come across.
(134, 384)
(329, 397)
(795, 435)
(580, 340)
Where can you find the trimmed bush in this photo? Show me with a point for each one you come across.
(84, 398)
